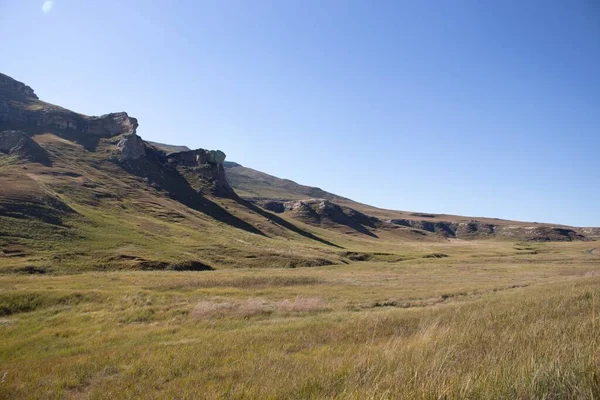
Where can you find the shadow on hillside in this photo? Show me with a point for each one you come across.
(361, 229)
(87, 141)
(179, 189)
(281, 222)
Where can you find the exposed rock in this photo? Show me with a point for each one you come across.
(207, 166)
(193, 158)
(110, 125)
(21, 109)
(18, 143)
(8, 83)
(216, 157)
(592, 233)
(472, 229)
(538, 233)
(274, 206)
(53, 119)
(131, 147)
(321, 211)
(446, 229)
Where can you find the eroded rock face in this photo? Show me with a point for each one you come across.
(111, 125)
(131, 147)
(20, 108)
(475, 229)
(197, 157)
(207, 165)
(8, 83)
(18, 143)
(57, 119)
(324, 212)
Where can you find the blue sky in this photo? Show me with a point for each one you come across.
(481, 108)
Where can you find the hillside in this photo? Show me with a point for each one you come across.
(82, 192)
(318, 207)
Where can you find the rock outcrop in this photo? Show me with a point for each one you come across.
(9, 84)
(131, 147)
(475, 229)
(592, 233)
(109, 125)
(324, 212)
(19, 144)
(20, 108)
(194, 158)
(206, 166)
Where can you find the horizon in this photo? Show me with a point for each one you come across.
(348, 93)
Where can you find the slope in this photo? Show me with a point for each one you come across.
(80, 192)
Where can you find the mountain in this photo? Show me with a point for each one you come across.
(81, 192)
(318, 207)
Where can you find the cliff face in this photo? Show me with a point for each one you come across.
(475, 229)
(20, 108)
(204, 168)
(9, 84)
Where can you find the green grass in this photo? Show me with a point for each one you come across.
(486, 322)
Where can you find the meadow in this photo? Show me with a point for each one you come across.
(491, 320)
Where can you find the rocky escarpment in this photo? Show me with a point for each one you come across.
(9, 84)
(324, 212)
(592, 233)
(19, 144)
(475, 229)
(131, 147)
(203, 169)
(21, 109)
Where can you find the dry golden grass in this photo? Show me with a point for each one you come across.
(255, 305)
(484, 323)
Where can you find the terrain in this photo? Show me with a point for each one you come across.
(136, 269)
(493, 320)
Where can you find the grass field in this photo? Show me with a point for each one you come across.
(492, 320)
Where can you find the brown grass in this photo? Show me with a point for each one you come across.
(255, 306)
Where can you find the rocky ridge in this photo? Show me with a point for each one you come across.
(20, 108)
(171, 168)
(10, 84)
(324, 212)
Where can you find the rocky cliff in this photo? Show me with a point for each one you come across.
(324, 212)
(9, 84)
(476, 229)
(20, 108)
(204, 168)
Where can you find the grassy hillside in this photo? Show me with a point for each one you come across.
(255, 184)
(86, 211)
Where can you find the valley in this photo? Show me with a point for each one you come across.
(135, 269)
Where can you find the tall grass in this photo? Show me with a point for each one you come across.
(273, 341)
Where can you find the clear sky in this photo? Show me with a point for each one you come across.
(481, 108)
